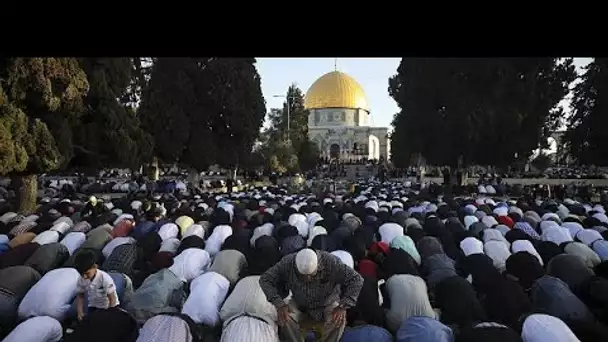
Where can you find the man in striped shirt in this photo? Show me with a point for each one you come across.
(322, 289)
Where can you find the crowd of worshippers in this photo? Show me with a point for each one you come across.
(385, 263)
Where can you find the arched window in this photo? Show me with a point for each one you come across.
(374, 147)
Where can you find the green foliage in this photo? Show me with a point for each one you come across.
(299, 155)
(195, 107)
(308, 155)
(282, 157)
(541, 162)
(110, 132)
(45, 85)
(167, 105)
(256, 160)
(276, 165)
(586, 137)
(39, 97)
(42, 151)
(141, 69)
(236, 99)
(26, 147)
(298, 118)
(478, 110)
(14, 138)
(64, 138)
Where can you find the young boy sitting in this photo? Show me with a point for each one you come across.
(97, 284)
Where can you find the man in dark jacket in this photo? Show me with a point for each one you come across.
(14, 283)
(93, 208)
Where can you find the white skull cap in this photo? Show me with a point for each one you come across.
(306, 261)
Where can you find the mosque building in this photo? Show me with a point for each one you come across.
(339, 120)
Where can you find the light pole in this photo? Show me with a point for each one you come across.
(288, 98)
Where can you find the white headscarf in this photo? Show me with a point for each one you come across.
(501, 211)
(516, 210)
(469, 220)
(136, 205)
(556, 234)
(217, 238)
(265, 229)
(168, 231)
(170, 245)
(64, 219)
(345, 257)
(389, 231)
(503, 229)
(302, 227)
(195, 229)
(573, 227)
(543, 328)
(373, 205)
(471, 245)
(495, 235)
(318, 230)
(588, 236)
(313, 218)
(526, 246)
(39, 328)
(602, 217)
(546, 224)
(296, 217)
(470, 209)
(550, 216)
(118, 241)
(498, 252)
(489, 221)
(122, 217)
(190, 263)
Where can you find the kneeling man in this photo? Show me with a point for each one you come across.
(322, 289)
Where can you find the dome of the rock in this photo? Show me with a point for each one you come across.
(335, 90)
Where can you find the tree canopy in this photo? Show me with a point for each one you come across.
(586, 136)
(84, 112)
(488, 111)
(39, 97)
(109, 133)
(167, 105)
(542, 161)
(202, 111)
(236, 100)
(289, 150)
(141, 68)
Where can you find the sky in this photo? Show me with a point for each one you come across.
(371, 73)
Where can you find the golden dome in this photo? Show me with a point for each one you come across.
(335, 90)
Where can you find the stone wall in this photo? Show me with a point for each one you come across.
(338, 117)
(346, 137)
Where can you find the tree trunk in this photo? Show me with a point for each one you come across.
(458, 177)
(153, 170)
(464, 177)
(231, 179)
(27, 192)
(193, 176)
(458, 173)
(194, 179)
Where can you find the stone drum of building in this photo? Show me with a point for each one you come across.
(338, 120)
